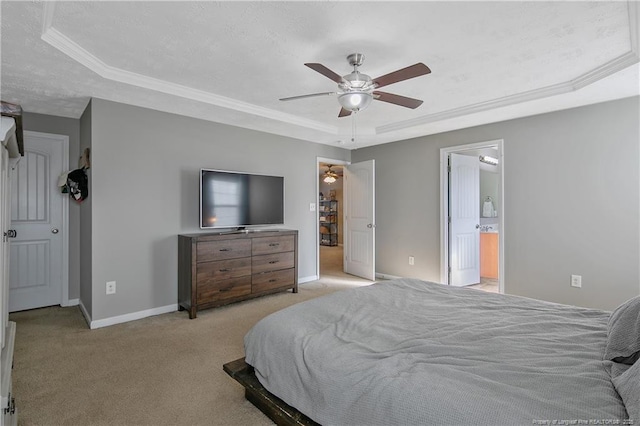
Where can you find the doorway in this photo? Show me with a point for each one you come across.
(330, 220)
(472, 216)
(350, 220)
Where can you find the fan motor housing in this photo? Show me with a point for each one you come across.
(355, 59)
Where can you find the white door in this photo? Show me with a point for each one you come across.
(464, 212)
(38, 214)
(4, 243)
(359, 228)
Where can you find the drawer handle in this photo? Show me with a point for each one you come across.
(224, 270)
(272, 280)
(274, 244)
(273, 261)
(225, 249)
(226, 289)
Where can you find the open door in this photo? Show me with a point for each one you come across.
(359, 225)
(464, 214)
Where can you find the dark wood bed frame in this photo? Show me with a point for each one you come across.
(275, 408)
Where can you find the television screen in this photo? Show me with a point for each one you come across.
(235, 199)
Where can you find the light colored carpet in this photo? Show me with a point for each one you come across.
(162, 370)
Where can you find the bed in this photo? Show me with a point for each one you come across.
(410, 352)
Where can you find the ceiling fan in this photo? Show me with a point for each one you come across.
(357, 90)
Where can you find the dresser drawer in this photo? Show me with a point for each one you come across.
(211, 291)
(223, 269)
(220, 250)
(272, 280)
(268, 245)
(272, 262)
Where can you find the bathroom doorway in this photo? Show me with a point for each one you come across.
(472, 216)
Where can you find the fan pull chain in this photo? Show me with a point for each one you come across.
(353, 127)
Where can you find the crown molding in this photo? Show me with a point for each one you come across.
(67, 46)
(615, 65)
(70, 48)
(586, 79)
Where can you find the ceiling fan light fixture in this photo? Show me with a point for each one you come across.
(355, 100)
(356, 90)
(329, 176)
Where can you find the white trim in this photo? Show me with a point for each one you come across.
(71, 302)
(444, 208)
(317, 194)
(584, 80)
(64, 139)
(67, 46)
(70, 48)
(386, 276)
(132, 316)
(308, 279)
(634, 22)
(85, 313)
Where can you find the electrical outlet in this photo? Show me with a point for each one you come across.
(576, 281)
(412, 260)
(111, 287)
(312, 207)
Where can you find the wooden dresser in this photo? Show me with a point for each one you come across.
(215, 269)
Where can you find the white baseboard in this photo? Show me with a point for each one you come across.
(133, 316)
(386, 276)
(308, 279)
(86, 315)
(70, 302)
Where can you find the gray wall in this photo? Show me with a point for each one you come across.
(86, 292)
(575, 211)
(71, 128)
(144, 192)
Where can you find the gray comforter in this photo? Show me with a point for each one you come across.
(409, 352)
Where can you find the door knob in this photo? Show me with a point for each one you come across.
(477, 226)
(11, 233)
(371, 225)
(54, 231)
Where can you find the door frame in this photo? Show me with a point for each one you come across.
(317, 238)
(444, 206)
(64, 140)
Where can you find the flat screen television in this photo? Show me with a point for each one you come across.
(236, 200)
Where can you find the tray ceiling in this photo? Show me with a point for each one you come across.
(230, 62)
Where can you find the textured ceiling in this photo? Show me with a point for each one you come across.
(230, 62)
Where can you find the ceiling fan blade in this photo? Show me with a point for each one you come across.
(291, 98)
(397, 99)
(344, 113)
(325, 71)
(412, 71)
